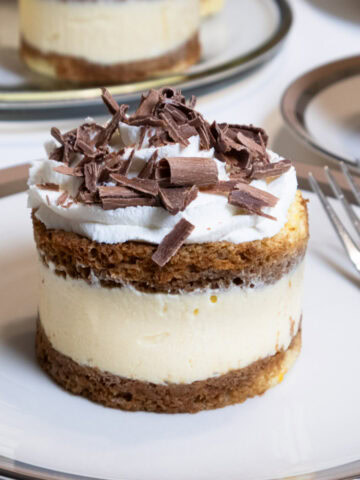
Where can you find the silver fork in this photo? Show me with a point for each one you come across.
(352, 247)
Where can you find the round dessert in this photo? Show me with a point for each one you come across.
(172, 257)
(109, 41)
(211, 7)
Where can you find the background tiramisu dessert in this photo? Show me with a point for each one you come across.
(210, 7)
(109, 41)
(171, 259)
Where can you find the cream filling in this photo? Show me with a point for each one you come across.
(163, 338)
(108, 32)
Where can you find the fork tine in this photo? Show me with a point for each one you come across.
(339, 194)
(355, 189)
(350, 247)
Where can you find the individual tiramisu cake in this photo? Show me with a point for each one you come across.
(109, 41)
(210, 7)
(171, 259)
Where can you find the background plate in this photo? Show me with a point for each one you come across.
(307, 423)
(232, 42)
(322, 108)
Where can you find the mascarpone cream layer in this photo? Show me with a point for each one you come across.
(108, 32)
(163, 338)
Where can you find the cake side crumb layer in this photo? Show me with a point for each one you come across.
(133, 395)
(195, 266)
(81, 71)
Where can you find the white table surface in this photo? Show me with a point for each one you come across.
(323, 30)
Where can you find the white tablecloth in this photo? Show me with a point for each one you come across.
(323, 30)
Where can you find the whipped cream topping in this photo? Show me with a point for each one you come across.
(213, 217)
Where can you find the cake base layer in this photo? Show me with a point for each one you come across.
(133, 395)
(212, 265)
(81, 71)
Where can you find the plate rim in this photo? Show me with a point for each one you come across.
(14, 469)
(303, 89)
(127, 92)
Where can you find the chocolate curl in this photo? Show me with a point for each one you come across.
(252, 199)
(147, 186)
(187, 171)
(171, 243)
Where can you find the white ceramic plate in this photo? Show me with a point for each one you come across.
(245, 34)
(308, 423)
(322, 107)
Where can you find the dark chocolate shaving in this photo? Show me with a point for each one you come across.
(111, 203)
(116, 192)
(65, 170)
(91, 171)
(171, 243)
(175, 200)
(58, 154)
(109, 130)
(249, 143)
(271, 169)
(252, 199)
(48, 186)
(62, 199)
(55, 132)
(109, 101)
(191, 195)
(242, 147)
(187, 171)
(224, 186)
(148, 170)
(126, 164)
(120, 197)
(147, 104)
(147, 186)
(87, 197)
(173, 131)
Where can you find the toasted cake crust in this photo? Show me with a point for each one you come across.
(134, 395)
(195, 266)
(81, 71)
